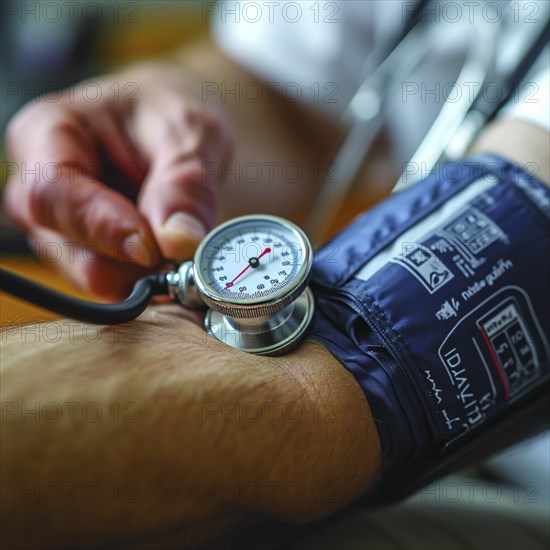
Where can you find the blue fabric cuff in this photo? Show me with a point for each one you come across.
(437, 302)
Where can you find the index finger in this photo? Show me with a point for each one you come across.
(57, 186)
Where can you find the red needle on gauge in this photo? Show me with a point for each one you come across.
(253, 262)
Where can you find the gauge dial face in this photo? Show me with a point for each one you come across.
(252, 259)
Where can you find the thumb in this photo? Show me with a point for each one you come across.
(180, 194)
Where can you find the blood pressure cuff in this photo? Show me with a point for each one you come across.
(437, 301)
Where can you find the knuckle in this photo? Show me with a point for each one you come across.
(192, 115)
(191, 179)
(91, 278)
(97, 277)
(13, 203)
(20, 124)
(219, 136)
(41, 201)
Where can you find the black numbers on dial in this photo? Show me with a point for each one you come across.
(251, 262)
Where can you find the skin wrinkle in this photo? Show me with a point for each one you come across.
(81, 132)
(186, 143)
(192, 173)
(122, 122)
(123, 155)
(128, 122)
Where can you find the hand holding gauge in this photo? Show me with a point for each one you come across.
(251, 272)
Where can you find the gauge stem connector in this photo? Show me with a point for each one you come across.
(182, 288)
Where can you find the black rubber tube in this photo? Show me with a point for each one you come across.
(82, 310)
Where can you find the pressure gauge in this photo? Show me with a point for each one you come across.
(252, 273)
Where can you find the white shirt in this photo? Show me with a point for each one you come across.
(318, 52)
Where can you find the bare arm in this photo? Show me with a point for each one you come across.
(155, 431)
(519, 142)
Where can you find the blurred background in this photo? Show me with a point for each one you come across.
(47, 46)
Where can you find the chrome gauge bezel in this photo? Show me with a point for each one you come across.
(254, 307)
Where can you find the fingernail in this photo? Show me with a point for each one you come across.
(186, 225)
(135, 250)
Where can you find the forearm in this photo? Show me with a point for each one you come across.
(175, 432)
(520, 142)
